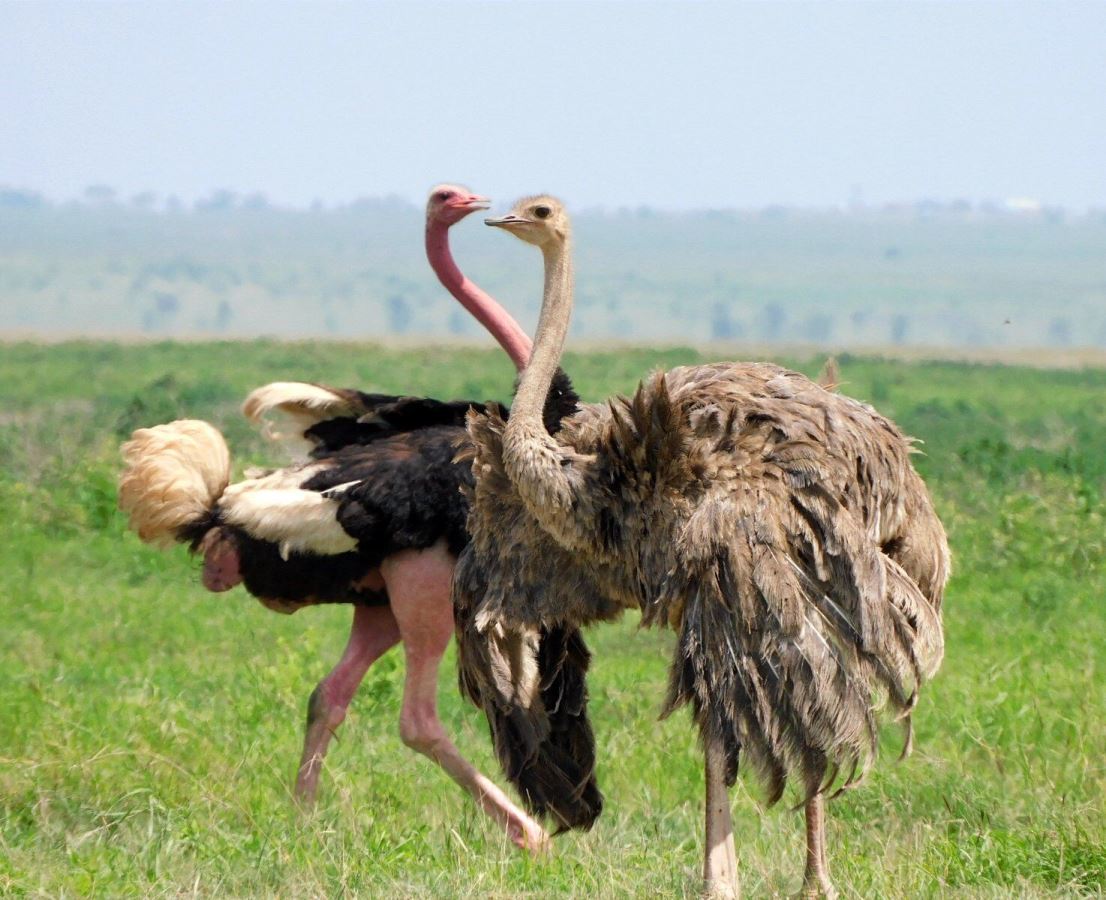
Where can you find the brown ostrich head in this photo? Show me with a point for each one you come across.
(450, 203)
(539, 220)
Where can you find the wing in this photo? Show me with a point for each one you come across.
(400, 491)
(793, 623)
(316, 420)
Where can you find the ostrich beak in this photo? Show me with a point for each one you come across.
(474, 202)
(508, 221)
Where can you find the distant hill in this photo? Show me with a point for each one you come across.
(924, 275)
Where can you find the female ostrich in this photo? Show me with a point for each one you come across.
(374, 518)
(777, 527)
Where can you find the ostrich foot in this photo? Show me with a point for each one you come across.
(720, 889)
(528, 835)
(818, 888)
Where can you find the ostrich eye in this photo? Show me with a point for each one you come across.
(542, 212)
(444, 195)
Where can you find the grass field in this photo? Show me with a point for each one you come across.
(149, 731)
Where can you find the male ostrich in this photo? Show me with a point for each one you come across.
(777, 527)
(374, 518)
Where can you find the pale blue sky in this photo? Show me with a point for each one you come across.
(672, 105)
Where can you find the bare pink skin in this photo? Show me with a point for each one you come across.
(418, 583)
(220, 561)
(420, 614)
(448, 205)
(374, 632)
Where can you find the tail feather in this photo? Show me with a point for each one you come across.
(830, 376)
(173, 476)
(570, 795)
(532, 688)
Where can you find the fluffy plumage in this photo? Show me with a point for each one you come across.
(286, 410)
(778, 528)
(174, 474)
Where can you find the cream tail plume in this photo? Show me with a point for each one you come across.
(174, 474)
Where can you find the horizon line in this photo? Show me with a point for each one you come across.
(222, 199)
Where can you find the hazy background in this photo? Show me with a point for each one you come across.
(909, 173)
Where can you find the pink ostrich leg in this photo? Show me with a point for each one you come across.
(419, 587)
(374, 632)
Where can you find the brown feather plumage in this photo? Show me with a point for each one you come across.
(777, 527)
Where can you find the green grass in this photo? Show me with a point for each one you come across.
(149, 731)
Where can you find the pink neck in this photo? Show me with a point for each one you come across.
(490, 314)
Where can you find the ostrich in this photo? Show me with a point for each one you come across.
(374, 518)
(778, 528)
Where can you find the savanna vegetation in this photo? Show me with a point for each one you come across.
(929, 275)
(149, 731)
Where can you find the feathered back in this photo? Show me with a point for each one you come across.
(316, 420)
(173, 476)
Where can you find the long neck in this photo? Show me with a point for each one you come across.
(547, 476)
(556, 311)
(490, 314)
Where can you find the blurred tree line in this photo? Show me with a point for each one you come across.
(237, 265)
